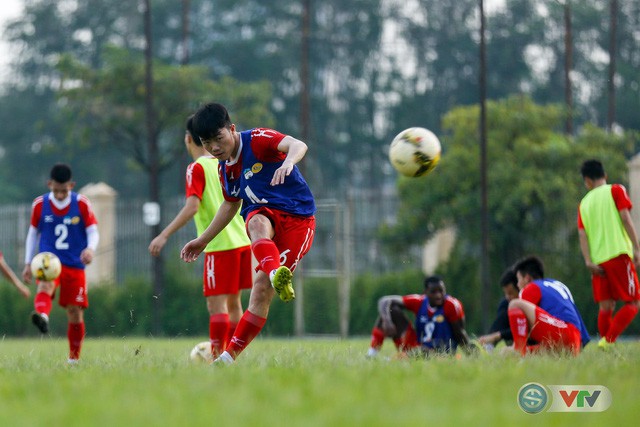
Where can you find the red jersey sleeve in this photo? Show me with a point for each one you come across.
(264, 143)
(531, 293)
(413, 302)
(620, 197)
(195, 181)
(86, 211)
(580, 224)
(453, 310)
(36, 211)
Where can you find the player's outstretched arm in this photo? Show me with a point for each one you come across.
(185, 215)
(11, 276)
(223, 217)
(384, 309)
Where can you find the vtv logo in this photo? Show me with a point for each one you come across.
(579, 398)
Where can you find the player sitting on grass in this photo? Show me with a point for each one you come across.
(544, 312)
(439, 321)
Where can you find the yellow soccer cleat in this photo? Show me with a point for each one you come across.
(281, 282)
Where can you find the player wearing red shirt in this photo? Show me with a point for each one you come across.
(258, 171)
(439, 321)
(62, 222)
(611, 251)
(544, 312)
(227, 265)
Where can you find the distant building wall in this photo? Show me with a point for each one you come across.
(634, 189)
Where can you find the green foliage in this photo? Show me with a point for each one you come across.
(106, 106)
(534, 187)
(533, 179)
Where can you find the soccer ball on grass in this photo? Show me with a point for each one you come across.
(46, 266)
(201, 352)
(415, 152)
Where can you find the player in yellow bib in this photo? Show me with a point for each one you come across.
(227, 263)
(611, 251)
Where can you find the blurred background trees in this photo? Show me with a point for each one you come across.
(76, 93)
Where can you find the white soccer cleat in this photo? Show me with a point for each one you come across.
(224, 359)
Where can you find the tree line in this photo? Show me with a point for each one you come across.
(349, 76)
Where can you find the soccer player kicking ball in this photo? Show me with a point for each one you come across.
(258, 171)
(66, 225)
(544, 312)
(227, 265)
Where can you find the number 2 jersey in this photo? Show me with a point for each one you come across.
(433, 324)
(248, 178)
(63, 231)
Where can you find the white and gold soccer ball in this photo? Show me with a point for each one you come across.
(46, 266)
(201, 352)
(415, 152)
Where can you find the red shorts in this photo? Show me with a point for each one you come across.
(293, 234)
(409, 339)
(555, 334)
(72, 283)
(227, 272)
(619, 282)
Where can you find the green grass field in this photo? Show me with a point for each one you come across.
(319, 382)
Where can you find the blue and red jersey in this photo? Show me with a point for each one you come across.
(249, 179)
(555, 298)
(433, 324)
(63, 231)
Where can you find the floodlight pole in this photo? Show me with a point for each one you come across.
(153, 165)
(484, 210)
(305, 132)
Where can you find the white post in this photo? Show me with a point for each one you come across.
(103, 202)
(634, 189)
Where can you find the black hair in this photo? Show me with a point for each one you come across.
(531, 265)
(194, 135)
(209, 119)
(592, 169)
(509, 278)
(433, 280)
(60, 172)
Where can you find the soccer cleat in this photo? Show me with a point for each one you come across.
(72, 362)
(281, 282)
(224, 359)
(41, 321)
(605, 345)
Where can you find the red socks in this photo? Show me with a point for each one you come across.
(377, 338)
(218, 329)
(75, 334)
(248, 328)
(267, 254)
(42, 303)
(620, 321)
(519, 329)
(604, 321)
(230, 331)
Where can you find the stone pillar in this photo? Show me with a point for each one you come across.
(438, 249)
(634, 189)
(103, 200)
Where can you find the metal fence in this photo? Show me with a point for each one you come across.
(345, 241)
